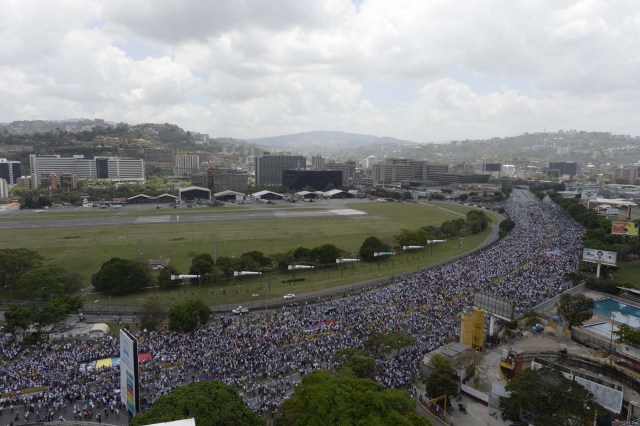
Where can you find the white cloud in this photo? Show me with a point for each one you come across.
(252, 68)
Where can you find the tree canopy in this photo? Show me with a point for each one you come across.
(354, 363)
(164, 277)
(442, 380)
(14, 262)
(323, 399)
(22, 317)
(211, 403)
(188, 315)
(628, 334)
(477, 221)
(152, 314)
(47, 281)
(370, 246)
(545, 397)
(575, 308)
(121, 276)
(202, 265)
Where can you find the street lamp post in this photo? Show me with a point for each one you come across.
(611, 336)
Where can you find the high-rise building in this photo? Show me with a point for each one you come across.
(110, 168)
(186, 164)
(221, 179)
(159, 155)
(269, 168)
(627, 174)
(413, 173)
(397, 171)
(4, 189)
(25, 182)
(348, 169)
(10, 170)
(564, 168)
(316, 179)
(317, 162)
(508, 170)
(370, 161)
(68, 181)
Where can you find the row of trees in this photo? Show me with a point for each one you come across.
(598, 228)
(24, 274)
(21, 317)
(121, 276)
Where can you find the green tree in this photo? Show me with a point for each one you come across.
(49, 314)
(628, 334)
(442, 377)
(477, 221)
(202, 265)
(227, 265)
(575, 309)
(380, 344)
(545, 397)
(325, 254)
(210, 403)
(354, 363)
(369, 247)
(409, 238)
(152, 314)
(453, 228)
(258, 258)
(188, 316)
(18, 317)
(14, 262)
(122, 276)
(324, 399)
(506, 226)
(47, 281)
(66, 303)
(164, 277)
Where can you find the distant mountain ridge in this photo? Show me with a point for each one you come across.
(321, 140)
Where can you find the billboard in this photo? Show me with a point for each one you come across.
(599, 256)
(624, 228)
(498, 306)
(129, 380)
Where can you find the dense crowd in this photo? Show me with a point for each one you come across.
(263, 354)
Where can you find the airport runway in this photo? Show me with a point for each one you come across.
(47, 219)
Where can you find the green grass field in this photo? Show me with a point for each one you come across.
(628, 273)
(84, 249)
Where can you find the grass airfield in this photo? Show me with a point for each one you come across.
(230, 231)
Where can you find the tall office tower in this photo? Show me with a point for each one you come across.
(4, 189)
(348, 169)
(269, 168)
(564, 168)
(397, 171)
(186, 164)
(10, 170)
(317, 162)
(221, 179)
(68, 181)
(110, 168)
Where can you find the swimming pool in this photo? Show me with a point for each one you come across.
(619, 311)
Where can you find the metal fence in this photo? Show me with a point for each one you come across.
(550, 303)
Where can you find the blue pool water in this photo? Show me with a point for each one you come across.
(619, 311)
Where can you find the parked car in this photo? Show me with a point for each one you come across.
(240, 310)
(289, 296)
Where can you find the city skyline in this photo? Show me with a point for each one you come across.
(422, 71)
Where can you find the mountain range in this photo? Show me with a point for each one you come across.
(324, 141)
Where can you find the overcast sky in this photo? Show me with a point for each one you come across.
(422, 70)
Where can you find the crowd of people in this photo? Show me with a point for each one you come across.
(264, 354)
